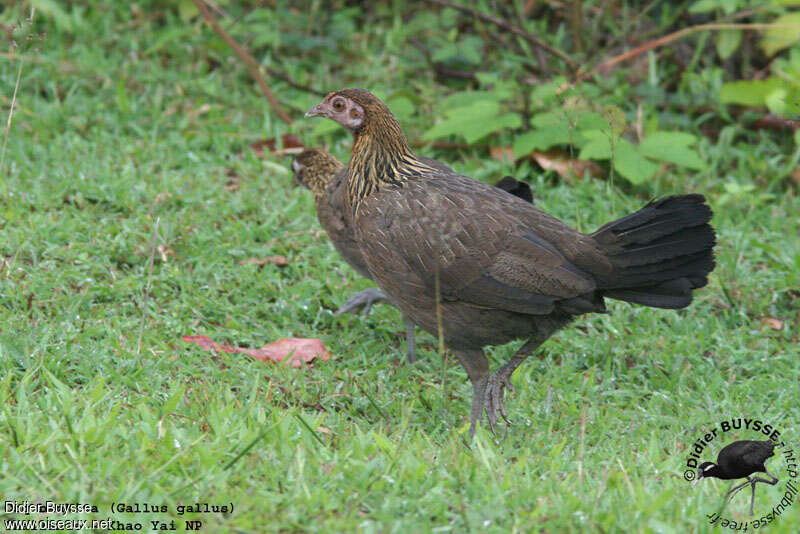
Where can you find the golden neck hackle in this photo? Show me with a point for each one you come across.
(381, 157)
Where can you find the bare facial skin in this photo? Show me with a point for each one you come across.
(340, 109)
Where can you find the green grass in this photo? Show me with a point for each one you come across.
(107, 138)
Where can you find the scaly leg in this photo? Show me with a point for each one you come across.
(477, 367)
(501, 379)
(363, 299)
(410, 339)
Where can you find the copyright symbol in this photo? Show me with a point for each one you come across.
(689, 475)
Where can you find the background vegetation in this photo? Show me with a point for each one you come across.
(125, 113)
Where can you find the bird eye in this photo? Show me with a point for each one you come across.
(338, 105)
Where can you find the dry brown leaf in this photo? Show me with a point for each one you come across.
(165, 251)
(502, 153)
(289, 350)
(565, 166)
(771, 322)
(277, 260)
(289, 142)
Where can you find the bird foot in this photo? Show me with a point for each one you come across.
(493, 398)
(363, 299)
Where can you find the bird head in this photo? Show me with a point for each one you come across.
(314, 169)
(702, 471)
(352, 108)
(340, 107)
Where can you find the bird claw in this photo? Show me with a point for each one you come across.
(363, 299)
(493, 398)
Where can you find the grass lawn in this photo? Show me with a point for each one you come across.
(112, 133)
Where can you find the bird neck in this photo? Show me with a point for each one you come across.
(381, 157)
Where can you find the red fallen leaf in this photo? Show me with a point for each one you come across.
(775, 324)
(293, 350)
(288, 141)
(277, 260)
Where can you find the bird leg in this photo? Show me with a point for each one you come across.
(410, 339)
(363, 299)
(770, 475)
(732, 491)
(477, 367)
(500, 380)
(753, 483)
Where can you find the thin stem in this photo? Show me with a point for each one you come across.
(147, 286)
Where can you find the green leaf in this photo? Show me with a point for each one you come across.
(787, 33)
(727, 42)
(729, 6)
(797, 137)
(546, 92)
(187, 10)
(480, 129)
(459, 120)
(401, 107)
(672, 147)
(589, 120)
(596, 145)
(704, 6)
(776, 101)
(575, 119)
(445, 52)
(466, 98)
(749, 92)
(548, 118)
(542, 139)
(631, 164)
(474, 121)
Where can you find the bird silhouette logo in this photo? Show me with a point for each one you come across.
(737, 460)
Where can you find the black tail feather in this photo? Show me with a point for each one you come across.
(660, 253)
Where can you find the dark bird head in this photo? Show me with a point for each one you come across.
(516, 188)
(706, 469)
(314, 169)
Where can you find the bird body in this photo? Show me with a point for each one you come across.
(741, 459)
(456, 254)
(326, 177)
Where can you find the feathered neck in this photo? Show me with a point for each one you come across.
(380, 157)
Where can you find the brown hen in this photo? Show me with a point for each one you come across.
(324, 175)
(456, 254)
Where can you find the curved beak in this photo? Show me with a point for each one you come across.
(316, 111)
(697, 480)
